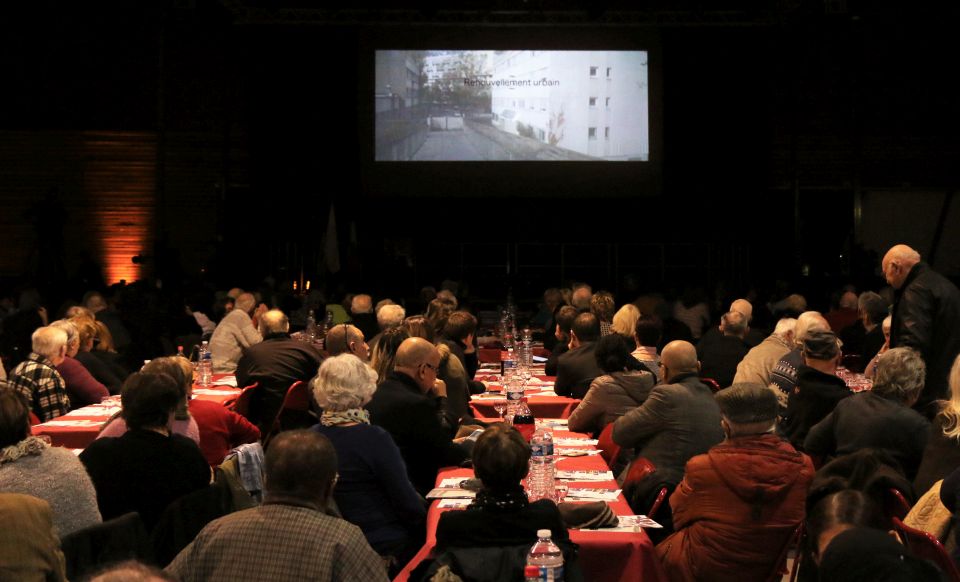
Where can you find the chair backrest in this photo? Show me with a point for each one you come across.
(89, 549)
(655, 507)
(609, 450)
(34, 419)
(927, 547)
(639, 469)
(779, 568)
(713, 384)
(895, 505)
(242, 405)
(298, 397)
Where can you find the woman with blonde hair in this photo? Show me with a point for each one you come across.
(373, 491)
(942, 453)
(103, 372)
(625, 320)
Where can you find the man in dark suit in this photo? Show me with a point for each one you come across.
(409, 404)
(577, 368)
(274, 364)
(564, 318)
(720, 354)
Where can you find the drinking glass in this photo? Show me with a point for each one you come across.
(500, 406)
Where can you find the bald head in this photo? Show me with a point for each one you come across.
(679, 357)
(743, 306)
(419, 359)
(346, 338)
(897, 263)
(273, 321)
(246, 302)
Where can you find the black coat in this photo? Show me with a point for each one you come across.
(814, 397)
(576, 369)
(275, 363)
(926, 317)
(411, 418)
(719, 356)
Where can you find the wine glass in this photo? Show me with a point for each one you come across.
(500, 406)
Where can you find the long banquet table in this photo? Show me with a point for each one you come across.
(78, 428)
(543, 402)
(604, 555)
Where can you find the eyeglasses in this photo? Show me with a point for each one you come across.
(436, 369)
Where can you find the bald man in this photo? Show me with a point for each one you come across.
(409, 404)
(345, 338)
(926, 317)
(713, 336)
(680, 419)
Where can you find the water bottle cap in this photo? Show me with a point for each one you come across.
(543, 533)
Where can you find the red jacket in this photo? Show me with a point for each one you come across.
(735, 509)
(221, 429)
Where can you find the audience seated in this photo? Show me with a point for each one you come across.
(131, 571)
(678, 420)
(647, 334)
(452, 376)
(546, 317)
(37, 379)
(458, 334)
(580, 299)
(625, 320)
(758, 364)
(373, 491)
(274, 365)
(865, 337)
(603, 306)
(110, 375)
(720, 354)
(30, 466)
(82, 387)
(438, 311)
(389, 316)
(691, 309)
(784, 374)
(235, 332)
(942, 453)
(384, 353)
(290, 537)
(577, 368)
(183, 423)
(346, 338)
(818, 388)
(29, 546)
(501, 515)
(740, 503)
(880, 418)
(845, 314)
(148, 467)
(564, 321)
(408, 403)
(220, 429)
(624, 385)
(871, 368)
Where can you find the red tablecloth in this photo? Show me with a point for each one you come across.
(540, 406)
(79, 437)
(603, 556)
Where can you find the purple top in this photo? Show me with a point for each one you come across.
(82, 387)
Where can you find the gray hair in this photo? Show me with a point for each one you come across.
(273, 321)
(785, 326)
(734, 322)
(245, 302)
(344, 382)
(381, 303)
(390, 316)
(73, 334)
(48, 340)
(809, 321)
(900, 375)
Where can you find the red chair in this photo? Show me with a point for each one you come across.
(297, 401)
(34, 419)
(655, 507)
(713, 384)
(640, 468)
(242, 404)
(895, 505)
(780, 566)
(926, 546)
(609, 450)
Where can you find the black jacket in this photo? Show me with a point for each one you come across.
(719, 355)
(926, 317)
(814, 397)
(576, 369)
(275, 363)
(401, 408)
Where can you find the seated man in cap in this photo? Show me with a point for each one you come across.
(818, 388)
(740, 502)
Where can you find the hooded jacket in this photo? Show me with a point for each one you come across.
(610, 397)
(735, 509)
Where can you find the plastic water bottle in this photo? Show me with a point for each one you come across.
(547, 557)
(514, 393)
(205, 366)
(531, 574)
(523, 420)
(540, 480)
(310, 331)
(508, 361)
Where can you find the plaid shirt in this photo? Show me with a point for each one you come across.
(278, 542)
(40, 383)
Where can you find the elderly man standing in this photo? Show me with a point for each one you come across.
(740, 503)
(235, 332)
(678, 420)
(409, 404)
(291, 536)
(37, 379)
(926, 317)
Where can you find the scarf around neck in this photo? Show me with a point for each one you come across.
(351, 415)
(29, 446)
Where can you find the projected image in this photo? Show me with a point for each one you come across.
(511, 105)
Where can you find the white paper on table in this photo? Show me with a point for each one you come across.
(539, 382)
(226, 381)
(210, 392)
(574, 442)
(441, 493)
(77, 422)
(629, 524)
(585, 475)
(546, 393)
(454, 503)
(76, 451)
(451, 482)
(593, 494)
(577, 452)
